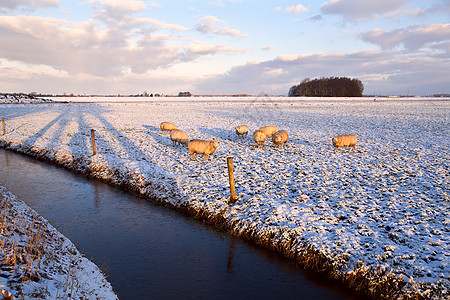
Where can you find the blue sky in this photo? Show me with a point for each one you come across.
(222, 46)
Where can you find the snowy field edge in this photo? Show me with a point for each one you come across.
(53, 268)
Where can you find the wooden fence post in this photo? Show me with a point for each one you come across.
(94, 148)
(4, 126)
(231, 177)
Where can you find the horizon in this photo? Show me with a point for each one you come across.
(395, 47)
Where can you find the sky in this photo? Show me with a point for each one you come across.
(395, 47)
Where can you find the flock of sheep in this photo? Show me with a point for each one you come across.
(279, 138)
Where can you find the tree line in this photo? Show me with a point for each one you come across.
(328, 87)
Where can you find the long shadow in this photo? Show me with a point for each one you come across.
(219, 133)
(127, 143)
(83, 128)
(31, 109)
(156, 134)
(32, 139)
(165, 141)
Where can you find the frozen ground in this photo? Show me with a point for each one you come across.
(384, 207)
(21, 98)
(36, 261)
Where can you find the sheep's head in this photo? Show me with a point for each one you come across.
(215, 144)
(334, 140)
(277, 139)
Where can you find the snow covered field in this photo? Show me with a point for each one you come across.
(378, 212)
(39, 262)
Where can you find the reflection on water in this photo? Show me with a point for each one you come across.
(152, 252)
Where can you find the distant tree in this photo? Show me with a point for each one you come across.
(328, 87)
(184, 94)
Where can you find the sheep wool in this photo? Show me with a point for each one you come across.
(280, 138)
(348, 140)
(167, 126)
(179, 136)
(259, 137)
(241, 130)
(268, 130)
(202, 147)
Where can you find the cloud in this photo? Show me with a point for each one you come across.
(268, 48)
(84, 48)
(15, 78)
(295, 10)
(112, 10)
(316, 18)
(210, 24)
(6, 5)
(387, 72)
(356, 9)
(217, 3)
(411, 38)
(439, 6)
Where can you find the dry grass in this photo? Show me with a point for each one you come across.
(26, 260)
(20, 246)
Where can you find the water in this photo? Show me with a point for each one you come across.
(153, 252)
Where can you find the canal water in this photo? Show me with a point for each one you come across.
(149, 251)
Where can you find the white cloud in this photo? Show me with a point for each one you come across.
(212, 24)
(295, 10)
(110, 11)
(268, 48)
(217, 3)
(83, 48)
(387, 72)
(26, 4)
(125, 6)
(411, 38)
(357, 9)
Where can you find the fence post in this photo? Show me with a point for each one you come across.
(231, 177)
(94, 148)
(4, 126)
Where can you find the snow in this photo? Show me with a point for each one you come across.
(21, 98)
(53, 268)
(385, 206)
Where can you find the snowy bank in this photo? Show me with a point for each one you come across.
(21, 98)
(377, 219)
(36, 261)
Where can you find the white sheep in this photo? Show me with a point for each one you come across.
(179, 136)
(202, 147)
(259, 137)
(268, 130)
(241, 130)
(348, 140)
(167, 126)
(280, 138)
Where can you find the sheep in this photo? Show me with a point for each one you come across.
(268, 130)
(167, 126)
(280, 138)
(348, 140)
(179, 136)
(202, 147)
(259, 137)
(241, 130)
